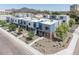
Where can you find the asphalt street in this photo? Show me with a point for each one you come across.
(8, 46)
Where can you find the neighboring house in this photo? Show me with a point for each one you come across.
(74, 9)
(42, 27)
(23, 15)
(63, 18)
(3, 17)
(38, 16)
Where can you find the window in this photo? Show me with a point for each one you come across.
(29, 23)
(16, 16)
(20, 21)
(24, 22)
(27, 15)
(64, 21)
(7, 19)
(12, 20)
(34, 24)
(52, 17)
(61, 17)
(46, 27)
(15, 20)
(40, 26)
(44, 16)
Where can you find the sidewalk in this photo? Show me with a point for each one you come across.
(70, 49)
(26, 47)
(40, 38)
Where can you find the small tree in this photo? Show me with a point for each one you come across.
(30, 35)
(12, 27)
(65, 27)
(56, 13)
(3, 23)
(71, 22)
(59, 32)
(62, 30)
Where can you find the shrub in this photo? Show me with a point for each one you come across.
(28, 38)
(19, 30)
(12, 27)
(71, 22)
(30, 34)
(3, 23)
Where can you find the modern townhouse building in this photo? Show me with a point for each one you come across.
(47, 28)
(3, 17)
(23, 15)
(60, 18)
(41, 27)
(64, 18)
(74, 9)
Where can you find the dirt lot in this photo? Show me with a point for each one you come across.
(48, 46)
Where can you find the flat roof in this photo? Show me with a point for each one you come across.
(49, 22)
(25, 19)
(30, 19)
(35, 20)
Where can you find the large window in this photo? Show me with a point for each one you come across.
(20, 21)
(61, 17)
(53, 17)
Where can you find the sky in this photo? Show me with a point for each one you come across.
(50, 7)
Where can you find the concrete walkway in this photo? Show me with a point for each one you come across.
(20, 36)
(40, 38)
(72, 45)
(21, 43)
(76, 51)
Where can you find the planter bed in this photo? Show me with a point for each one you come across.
(28, 41)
